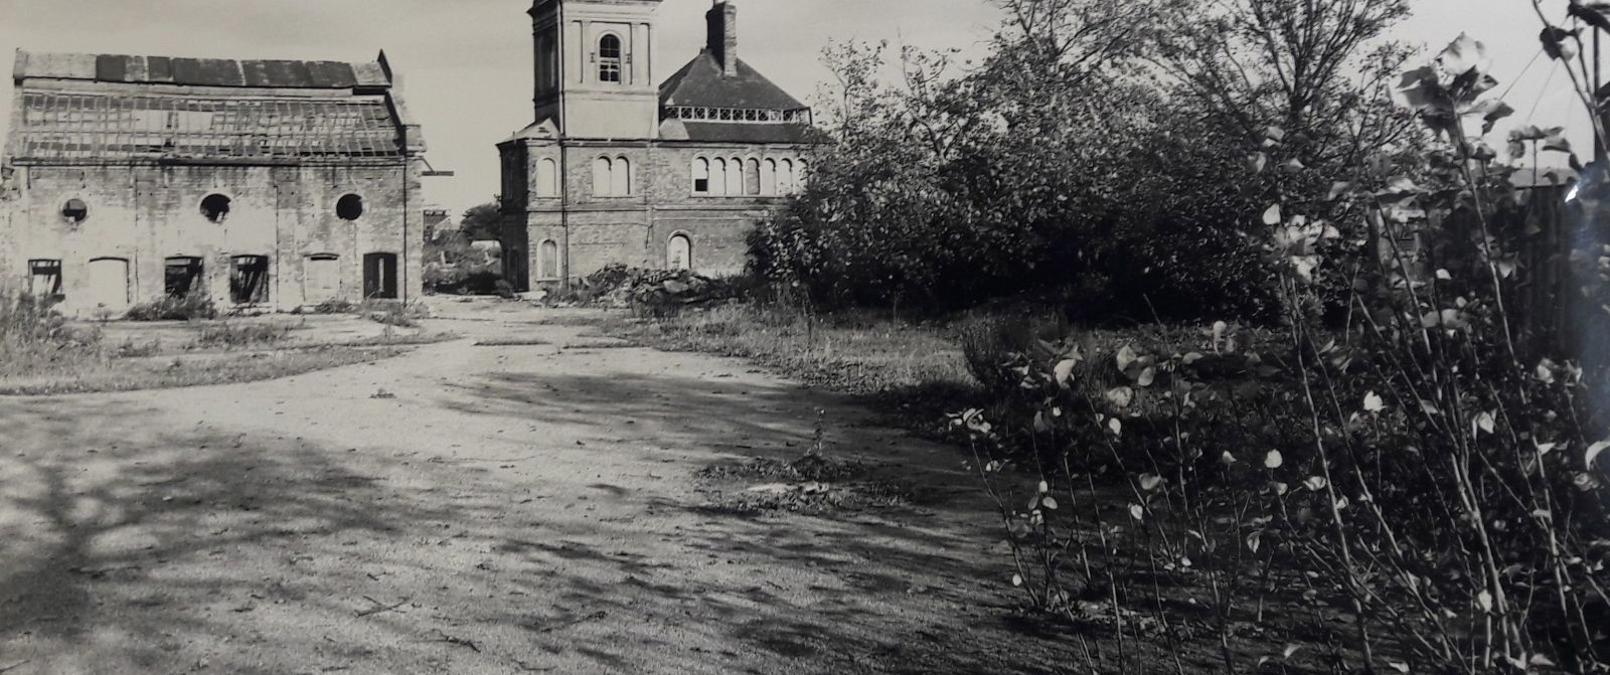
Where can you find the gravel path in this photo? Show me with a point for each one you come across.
(478, 509)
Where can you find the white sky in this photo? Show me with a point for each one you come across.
(466, 64)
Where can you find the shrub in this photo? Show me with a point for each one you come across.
(34, 337)
(195, 305)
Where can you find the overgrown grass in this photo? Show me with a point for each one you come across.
(187, 308)
(163, 372)
(227, 335)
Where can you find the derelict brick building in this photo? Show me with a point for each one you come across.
(267, 184)
(619, 169)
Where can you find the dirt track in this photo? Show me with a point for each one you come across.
(489, 510)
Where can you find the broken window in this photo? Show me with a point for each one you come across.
(548, 260)
(701, 176)
(75, 211)
(215, 207)
(44, 278)
(380, 276)
(248, 280)
(609, 59)
(349, 207)
(182, 275)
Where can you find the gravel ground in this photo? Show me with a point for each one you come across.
(481, 509)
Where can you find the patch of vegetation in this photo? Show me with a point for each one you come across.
(35, 338)
(229, 335)
(163, 372)
(193, 306)
(811, 484)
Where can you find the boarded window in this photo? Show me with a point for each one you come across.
(735, 177)
(768, 177)
(718, 177)
(679, 253)
(380, 276)
(620, 177)
(108, 283)
(248, 280)
(548, 260)
(547, 178)
(44, 278)
(182, 275)
(321, 278)
(752, 177)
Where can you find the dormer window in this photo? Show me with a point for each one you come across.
(609, 59)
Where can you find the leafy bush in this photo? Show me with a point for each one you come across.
(196, 305)
(34, 337)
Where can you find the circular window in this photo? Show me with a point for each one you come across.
(75, 211)
(349, 207)
(215, 207)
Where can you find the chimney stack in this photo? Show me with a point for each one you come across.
(722, 20)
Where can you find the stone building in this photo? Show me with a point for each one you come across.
(266, 184)
(620, 169)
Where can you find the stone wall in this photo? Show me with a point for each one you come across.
(144, 215)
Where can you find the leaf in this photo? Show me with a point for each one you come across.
(1338, 189)
(1373, 403)
(1271, 216)
(1017, 580)
(1485, 422)
(1593, 16)
(1316, 483)
(1121, 397)
(1257, 161)
(1290, 649)
(1126, 357)
(1146, 377)
(1494, 114)
(1429, 408)
(1137, 512)
(1049, 503)
(1398, 666)
(1273, 133)
(1064, 372)
(1273, 460)
(1044, 487)
(1150, 482)
(1556, 44)
(1557, 144)
(1595, 450)
(1115, 426)
(1484, 599)
(1464, 56)
(1293, 165)
(1254, 540)
(1227, 459)
(1444, 275)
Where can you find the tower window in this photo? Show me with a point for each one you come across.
(609, 59)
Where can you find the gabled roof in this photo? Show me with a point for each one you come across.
(88, 108)
(700, 83)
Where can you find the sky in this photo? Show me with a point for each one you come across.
(465, 65)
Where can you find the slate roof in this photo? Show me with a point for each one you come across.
(85, 108)
(701, 84)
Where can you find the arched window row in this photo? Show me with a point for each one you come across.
(751, 177)
(612, 177)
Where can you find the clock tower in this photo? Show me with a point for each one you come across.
(594, 68)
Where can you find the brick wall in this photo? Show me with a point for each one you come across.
(145, 214)
(597, 231)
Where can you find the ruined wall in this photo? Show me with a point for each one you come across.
(634, 229)
(143, 215)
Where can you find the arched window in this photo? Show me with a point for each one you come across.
(701, 176)
(547, 178)
(679, 252)
(735, 177)
(785, 177)
(602, 180)
(752, 177)
(548, 260)
(609, 59)
(621, 177)
(768, 177)
(718, 177)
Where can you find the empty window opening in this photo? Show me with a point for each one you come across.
(679, 252)
(75, 211)
(547, 178)
(215, 207)
(182, 275)
(380, 276)
(548, 260)
(701, 176)
(349, 207)
(609, 59)
(248, 280)
(44, 278)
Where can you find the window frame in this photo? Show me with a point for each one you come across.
(611, 65)
(34, 267)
